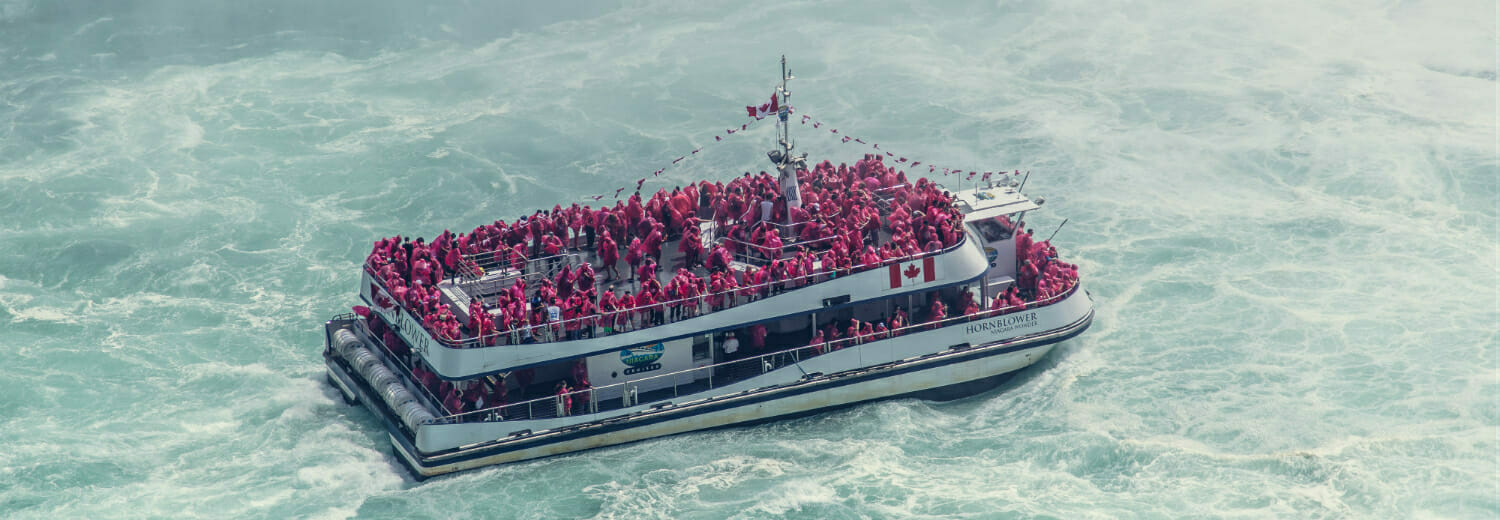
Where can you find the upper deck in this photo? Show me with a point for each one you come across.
(525, 293)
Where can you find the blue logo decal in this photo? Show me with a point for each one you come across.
(991, 254)
(639, 356)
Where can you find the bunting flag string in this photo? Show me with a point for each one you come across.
(640, 183)
(843, 138)
(931, 168)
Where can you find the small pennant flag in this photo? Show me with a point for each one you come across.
(729, 131)
(834, 130)
(875, 146)
(860, 141)
(718, 138)
(744, 126)
(971, 176)
(846, 139)
(617, 192)
(889, 154)
(597, 197)
(931, 168)
(902, 159)
(698, 150)
(677, 160)
(915, 163)
(817, 124)
(987, 175)
(658, 173)
(639, 183)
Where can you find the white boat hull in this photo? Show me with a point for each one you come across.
(941, 372)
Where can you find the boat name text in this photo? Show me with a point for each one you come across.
(1003, 324)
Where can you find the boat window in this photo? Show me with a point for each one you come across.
(991, 230)
(701, 346)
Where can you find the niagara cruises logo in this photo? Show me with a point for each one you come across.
(642, 359)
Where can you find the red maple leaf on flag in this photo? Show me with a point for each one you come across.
(912, 271)
(380, 299)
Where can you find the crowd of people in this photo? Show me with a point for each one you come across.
(851, 218)
(1042, 274)
(839, 229)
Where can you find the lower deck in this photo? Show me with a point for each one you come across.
(916, 358)
(946, 372)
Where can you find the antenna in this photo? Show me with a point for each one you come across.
(1059, 228)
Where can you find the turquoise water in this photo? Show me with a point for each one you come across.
(1286, 212)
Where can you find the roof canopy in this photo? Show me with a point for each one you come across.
(987, 203)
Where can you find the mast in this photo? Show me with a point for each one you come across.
(785, 162)
(783, 128)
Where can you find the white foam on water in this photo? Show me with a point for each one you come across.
(1279, 209)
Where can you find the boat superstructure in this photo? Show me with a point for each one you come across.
(777, 295)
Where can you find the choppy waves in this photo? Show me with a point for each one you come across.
(1286, 213)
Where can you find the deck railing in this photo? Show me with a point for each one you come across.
(659, 313)
(406, 369)
(474, 267)
(555, 330)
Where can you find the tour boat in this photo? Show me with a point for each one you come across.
(777, 296)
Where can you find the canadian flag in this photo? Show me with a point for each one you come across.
(765, 109)
(916, 272)
(381, 300)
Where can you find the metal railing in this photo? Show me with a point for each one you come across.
(555, 330)
(587, 401)
(476, 266)
(743, 255)
(406, 372)
(664, 312)
(693, 306)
